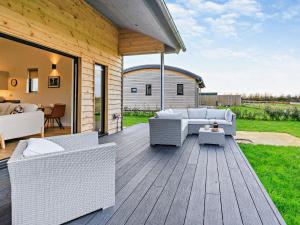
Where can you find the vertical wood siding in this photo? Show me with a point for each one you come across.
(73, 27)
(139, 79)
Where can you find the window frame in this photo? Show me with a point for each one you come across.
(132, 90)
(30, 80)
(180, 93)
(146, 92)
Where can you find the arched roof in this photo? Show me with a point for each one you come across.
(197, 77)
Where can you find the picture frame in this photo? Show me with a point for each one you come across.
(54, 82)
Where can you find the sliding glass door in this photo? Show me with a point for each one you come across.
(99, 98)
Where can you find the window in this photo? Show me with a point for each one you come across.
(148, 89)
(99, 98)
(33, 80)
(133, 90)
(179, 89)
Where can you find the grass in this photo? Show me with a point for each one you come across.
(130, 120)
(290, 127)
(278, 168)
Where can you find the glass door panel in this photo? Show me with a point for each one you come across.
(99, 94)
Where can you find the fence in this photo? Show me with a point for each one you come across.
(217, 100)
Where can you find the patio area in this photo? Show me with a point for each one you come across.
(170, 185)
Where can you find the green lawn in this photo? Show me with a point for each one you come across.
(278, 168)
(290, 127)
(132, 120)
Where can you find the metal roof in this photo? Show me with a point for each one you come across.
(197, 77)
(150, 17)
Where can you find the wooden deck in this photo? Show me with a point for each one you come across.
(190, 185)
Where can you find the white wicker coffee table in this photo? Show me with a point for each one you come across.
(211, 137)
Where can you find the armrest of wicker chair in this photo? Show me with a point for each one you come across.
(166, 131)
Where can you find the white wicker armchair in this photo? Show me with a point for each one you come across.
(58, 187)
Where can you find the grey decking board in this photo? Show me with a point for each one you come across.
(144, 208)
(175, 216)
(195, 211)
(123, 213)
(162, 206)
(213, 208)
(126, 177)
(141, 199)
(247, 208)
(124, 193)
(230, 208)
(212, 182)
(213, 211)
(182, 195)
(129, 149)
(131, 157)
(145, 156)
(265, 211)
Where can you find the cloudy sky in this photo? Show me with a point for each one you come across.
(238, 46)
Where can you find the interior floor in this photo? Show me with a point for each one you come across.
(11, 144)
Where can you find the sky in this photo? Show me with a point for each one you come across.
(237, 46)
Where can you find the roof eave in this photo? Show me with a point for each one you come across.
(161, 12)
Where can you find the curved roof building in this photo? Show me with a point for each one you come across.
(142, 87)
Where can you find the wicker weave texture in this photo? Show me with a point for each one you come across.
(167, 131)
(58, 187)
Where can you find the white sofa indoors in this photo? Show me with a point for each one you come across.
(12, 126)
(171, 126)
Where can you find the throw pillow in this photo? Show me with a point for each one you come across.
(228, 115)
(167, 115)
(198, 113)
(17, 109)
(218, 114)
(39, 146)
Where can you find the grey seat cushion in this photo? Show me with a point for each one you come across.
(199, 121)
(220, 122)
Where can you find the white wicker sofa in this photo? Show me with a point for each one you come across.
(171, 126)
(57, 187)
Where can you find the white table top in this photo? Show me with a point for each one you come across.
(203, 130)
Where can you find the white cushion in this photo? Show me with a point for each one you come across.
(29, 107)
(220, 122)
(199, 121)
(169, 110)
(39, 146)
(218, 114)
(168, 115)
(228, 115)
(184, 112)
(4, 108)
(198, 113)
